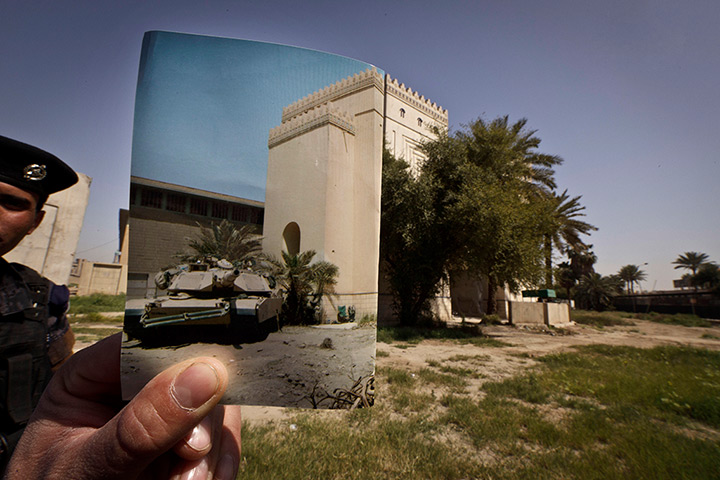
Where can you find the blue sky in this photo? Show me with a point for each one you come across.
(205, 105)
(625, 92)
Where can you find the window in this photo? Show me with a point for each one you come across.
(175, 202)
(151, 198)
(240, 213)
(419, 122)
(402, 113)
(198, 206)
(220, 210)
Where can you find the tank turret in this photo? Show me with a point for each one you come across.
(212, 301)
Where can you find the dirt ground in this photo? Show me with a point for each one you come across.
(497, 363)
(290, 368)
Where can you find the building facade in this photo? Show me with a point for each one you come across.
(325, 172)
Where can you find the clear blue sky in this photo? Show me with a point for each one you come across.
(205, 105)
(625, 92)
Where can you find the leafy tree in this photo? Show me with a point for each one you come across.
(475, 205)
(595, 292)
(582, 261)
(414, 247)
(563, 228)
(690, 261)
(707, 276)
(631, 274)
(565, 278)
(239, 245)
(304, 285)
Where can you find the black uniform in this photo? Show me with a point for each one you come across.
(25, 366)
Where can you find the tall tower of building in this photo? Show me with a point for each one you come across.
(325, 171)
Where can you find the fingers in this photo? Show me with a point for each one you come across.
(223, 460)
(159, 417)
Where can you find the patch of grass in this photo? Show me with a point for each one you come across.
(596, 412)
(684, 319)
(415, 335)
(367, 320)
(95, 318)
(381, 354)
(709, 336)
(97, 302)
(474, 359)
(90, 334)
(600, 319)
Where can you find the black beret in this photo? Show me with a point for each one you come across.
(32, 169)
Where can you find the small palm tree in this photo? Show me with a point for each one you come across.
(564, 228)
(239, 245)
(631, 274)
(304, 285)
(691, 261)
(595, 291)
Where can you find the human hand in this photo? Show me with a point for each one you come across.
(172, 429)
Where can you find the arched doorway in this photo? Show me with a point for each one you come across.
(291, 238)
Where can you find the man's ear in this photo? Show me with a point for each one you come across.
(38, 218)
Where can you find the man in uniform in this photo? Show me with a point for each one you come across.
(34, 334)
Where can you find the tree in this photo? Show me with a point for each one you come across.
(414, 247)
(563, 228)
(595, 291)
(631, 274)
(304, 285)
(707, 276)
(690, 261)
(474, 205)
(239, 245)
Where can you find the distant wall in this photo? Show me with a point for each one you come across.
(536, 313)
(50, 249)
(705, 304)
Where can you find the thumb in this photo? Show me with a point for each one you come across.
(161, 414)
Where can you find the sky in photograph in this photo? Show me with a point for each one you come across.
(205, 105)
(625, 92)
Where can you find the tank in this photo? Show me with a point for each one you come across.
(211, 302)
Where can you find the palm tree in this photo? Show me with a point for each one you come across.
(304, 285)
(509, 151)
(239, 245)
(631, 274)
(564, 228)
(595, 291)
(691, 261)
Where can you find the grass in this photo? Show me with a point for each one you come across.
(415, 335)
(97, 302)
(600, 319)
(597, 412)
(684, 319)
(95, 318)
(614, 318)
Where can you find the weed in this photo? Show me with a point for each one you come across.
(97, 302)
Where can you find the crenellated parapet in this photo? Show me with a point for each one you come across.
(368, 78)
(418, 101)
(325, 114)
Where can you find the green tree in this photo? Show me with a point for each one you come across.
(631, 274)
(595, 292)
(474, 205)
(414, 246)
(707, 276)
(563, 228)
(690, 261)
(304, 284)
(239, 245)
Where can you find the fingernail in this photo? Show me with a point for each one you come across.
(198, 472)
(195, 385)
(226, 469)
(200, 437)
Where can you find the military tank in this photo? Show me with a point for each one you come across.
(211, 302)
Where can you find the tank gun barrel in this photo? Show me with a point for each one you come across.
(226, 278)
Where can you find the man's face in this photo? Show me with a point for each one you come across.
(18, 216)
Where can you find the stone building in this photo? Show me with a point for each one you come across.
(325, 171)
(50, 249)
(161, 219)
